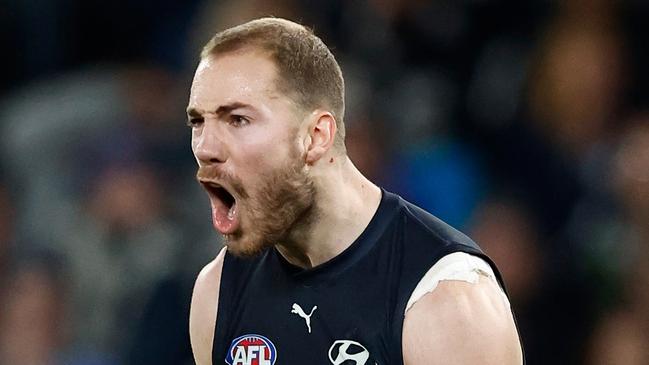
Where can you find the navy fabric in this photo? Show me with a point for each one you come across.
(360, 295)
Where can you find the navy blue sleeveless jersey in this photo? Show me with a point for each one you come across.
(347, 311)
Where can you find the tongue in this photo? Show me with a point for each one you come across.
(224, 219)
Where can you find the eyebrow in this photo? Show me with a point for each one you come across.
(223, 109)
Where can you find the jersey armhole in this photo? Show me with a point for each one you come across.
(223, 305)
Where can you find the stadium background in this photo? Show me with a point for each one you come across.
(524, 123)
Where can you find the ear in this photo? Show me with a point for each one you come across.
(321, 133)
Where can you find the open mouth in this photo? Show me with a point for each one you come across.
(224, 207)
(221, 193)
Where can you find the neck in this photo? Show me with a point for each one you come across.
(345, 203)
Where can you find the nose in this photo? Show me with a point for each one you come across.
(209, 149)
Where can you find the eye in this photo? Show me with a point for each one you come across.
(238, 120)
(194, 122)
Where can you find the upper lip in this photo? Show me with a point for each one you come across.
(210, 185)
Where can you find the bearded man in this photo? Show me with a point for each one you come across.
(321, 266)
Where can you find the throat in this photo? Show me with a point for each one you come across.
(297, 246)
(314, 243)
(328, 231)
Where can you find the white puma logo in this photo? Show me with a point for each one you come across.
(298, 310)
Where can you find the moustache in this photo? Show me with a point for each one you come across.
(216, 174)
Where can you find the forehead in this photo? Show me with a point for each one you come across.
(247, 77)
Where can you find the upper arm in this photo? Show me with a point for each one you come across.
(202, 316)
(461, 323)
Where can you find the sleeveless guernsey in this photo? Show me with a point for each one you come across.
(347, 311)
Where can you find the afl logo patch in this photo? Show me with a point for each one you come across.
(251, 350)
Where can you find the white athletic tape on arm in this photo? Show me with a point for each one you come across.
(455, 266)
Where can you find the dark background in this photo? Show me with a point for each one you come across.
(523, 123)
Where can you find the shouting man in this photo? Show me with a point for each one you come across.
(304, 228)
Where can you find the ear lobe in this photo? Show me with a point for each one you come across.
(322, 134)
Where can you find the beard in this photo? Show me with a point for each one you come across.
(276, 211)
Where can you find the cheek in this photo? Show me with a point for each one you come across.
(262, 162)
(263, 147)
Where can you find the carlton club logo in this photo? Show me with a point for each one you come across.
(251, 350)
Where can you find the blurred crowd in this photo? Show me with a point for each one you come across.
(523, 123)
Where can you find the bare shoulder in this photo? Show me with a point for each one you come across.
(203, 313)
(461, 323)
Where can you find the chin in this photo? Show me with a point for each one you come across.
(242, 245)
(282, 205)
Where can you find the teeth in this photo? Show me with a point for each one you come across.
(231, 212)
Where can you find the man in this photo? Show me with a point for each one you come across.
(321, 266)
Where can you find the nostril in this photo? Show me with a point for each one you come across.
(209, 155)
(210, 150)
(210, 159)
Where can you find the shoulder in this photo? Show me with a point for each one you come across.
(461, 323)
(203, 313)
(431, 227)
